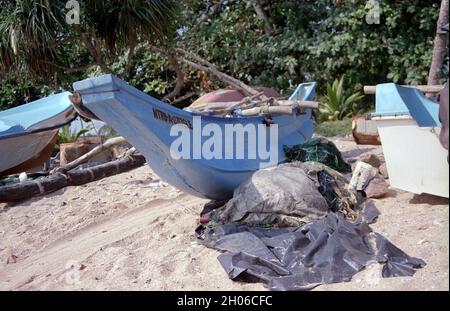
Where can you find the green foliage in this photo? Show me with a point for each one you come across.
(119, 22)
(336, 105)
(318, 40)
(28, 30)
(35, 38)
(15, 91)
(66, 136)
(37, 45)
(313, 40)
(334, 128)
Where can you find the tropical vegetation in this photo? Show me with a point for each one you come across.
(276, 43)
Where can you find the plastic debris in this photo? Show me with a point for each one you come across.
(327, 250)
(362, 175)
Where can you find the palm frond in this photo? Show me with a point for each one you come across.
(118, 22)
(28, 29)
(336, 104)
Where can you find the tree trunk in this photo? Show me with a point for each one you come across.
(180, 76)
(440, 44)
(29, 189)
(262, 15)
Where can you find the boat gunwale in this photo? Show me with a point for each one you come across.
(45, 129)
(110, 80)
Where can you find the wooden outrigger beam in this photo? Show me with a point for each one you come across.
(431, 89)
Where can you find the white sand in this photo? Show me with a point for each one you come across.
(130, 232)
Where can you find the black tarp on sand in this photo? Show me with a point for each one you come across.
(327, 250)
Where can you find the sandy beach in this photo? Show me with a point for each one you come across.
(134, 232)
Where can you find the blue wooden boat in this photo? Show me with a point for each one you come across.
(28, 132)
(409, 127)
(146, 123)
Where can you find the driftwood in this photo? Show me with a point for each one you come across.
(299, 103)
(28, 189)
(84, 158)
(279, 107)
(182, 98)
(225, 105)
(206, 66)
(371, 89)
(267, 110)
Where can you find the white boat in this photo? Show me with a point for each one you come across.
(409, 127)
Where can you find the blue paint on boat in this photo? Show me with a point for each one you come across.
(51, 111)
(394, 100)
(146, 123)
(26, 130)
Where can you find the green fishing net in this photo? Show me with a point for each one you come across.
(9, 181)
(318, 150)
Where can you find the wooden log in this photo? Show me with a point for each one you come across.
(371, 89)
(84, 158)
(29, 189)
(299, 103)
(267, 110)
(84, 176)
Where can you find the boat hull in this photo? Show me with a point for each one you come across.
(28, 132)
(146, 123)
(415, 159)
(36, 150)
(409, 130)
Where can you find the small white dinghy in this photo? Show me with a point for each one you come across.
(409, 127)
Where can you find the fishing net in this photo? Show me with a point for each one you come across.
(318, 150)
(290, 194)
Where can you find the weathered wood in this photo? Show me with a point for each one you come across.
(206, 66)
(267, 110)
(299, 103)
(84, 158)
(371, 89)
(229, 106)
(225, 105)
(182, 98)
(29, 189)
(56, 181)
(84, 176)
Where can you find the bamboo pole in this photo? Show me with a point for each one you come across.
(267, 110)
(84, 158)
(371, 89)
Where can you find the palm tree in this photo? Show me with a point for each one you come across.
(35, 38)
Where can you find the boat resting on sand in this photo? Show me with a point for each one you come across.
(29, 132)
(146, 123)
(409, 127)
